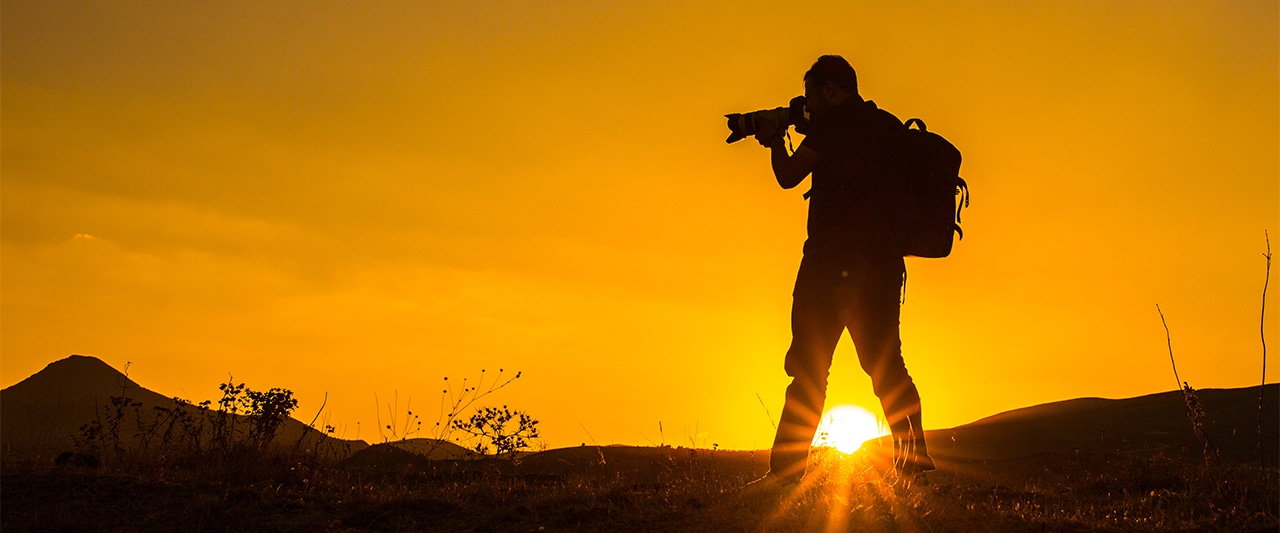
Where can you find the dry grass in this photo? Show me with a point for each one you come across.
(641, 489)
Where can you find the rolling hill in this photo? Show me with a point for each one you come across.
(41, 414)
(1145, 424)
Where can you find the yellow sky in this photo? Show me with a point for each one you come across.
(361, 199)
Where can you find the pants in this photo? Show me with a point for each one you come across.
(862, 296)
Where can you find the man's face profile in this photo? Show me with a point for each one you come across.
(816, 96)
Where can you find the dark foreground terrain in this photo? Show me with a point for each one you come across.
(153, 463)
(641, 489)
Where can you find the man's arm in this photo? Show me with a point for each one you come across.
(789, 169)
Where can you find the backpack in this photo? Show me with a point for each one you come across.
(928, 192)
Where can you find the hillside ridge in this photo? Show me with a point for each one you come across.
(41, 414)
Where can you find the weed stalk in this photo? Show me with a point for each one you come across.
(1195, 410)
(1262, 328)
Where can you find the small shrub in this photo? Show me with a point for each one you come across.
(454, 401)
(506, 431)
(245, 420)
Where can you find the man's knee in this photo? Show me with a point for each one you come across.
(807, 361)
(808, 377)
(892, 385)
(808, 384)
(889, 378)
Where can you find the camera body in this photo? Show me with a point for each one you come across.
(743, 125)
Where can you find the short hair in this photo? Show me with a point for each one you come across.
(834, 69)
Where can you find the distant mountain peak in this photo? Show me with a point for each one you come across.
(82, 371)
(43, 413)
(77, 361)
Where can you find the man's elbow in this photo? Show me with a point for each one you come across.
(788, 178)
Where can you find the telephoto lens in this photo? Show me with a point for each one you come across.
(743, 125)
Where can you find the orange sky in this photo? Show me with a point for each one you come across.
(333, 197)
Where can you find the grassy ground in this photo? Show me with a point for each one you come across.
(639, 489)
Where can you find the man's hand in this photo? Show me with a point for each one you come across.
(766, 133)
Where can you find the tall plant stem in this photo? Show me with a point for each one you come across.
(1262, 328)
(1169, 340)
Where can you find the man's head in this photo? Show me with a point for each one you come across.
(829, 82)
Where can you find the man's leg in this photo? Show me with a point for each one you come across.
(875, 332)
(815, 330)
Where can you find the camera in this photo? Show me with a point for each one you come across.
(742, 125)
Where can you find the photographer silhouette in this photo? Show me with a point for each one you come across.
(852, 272)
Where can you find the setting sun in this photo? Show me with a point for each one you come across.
(846, 427)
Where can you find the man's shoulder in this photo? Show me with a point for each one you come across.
(856, 121)
(861, 114)
(880, 116)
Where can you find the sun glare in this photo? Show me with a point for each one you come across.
(846, 427)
